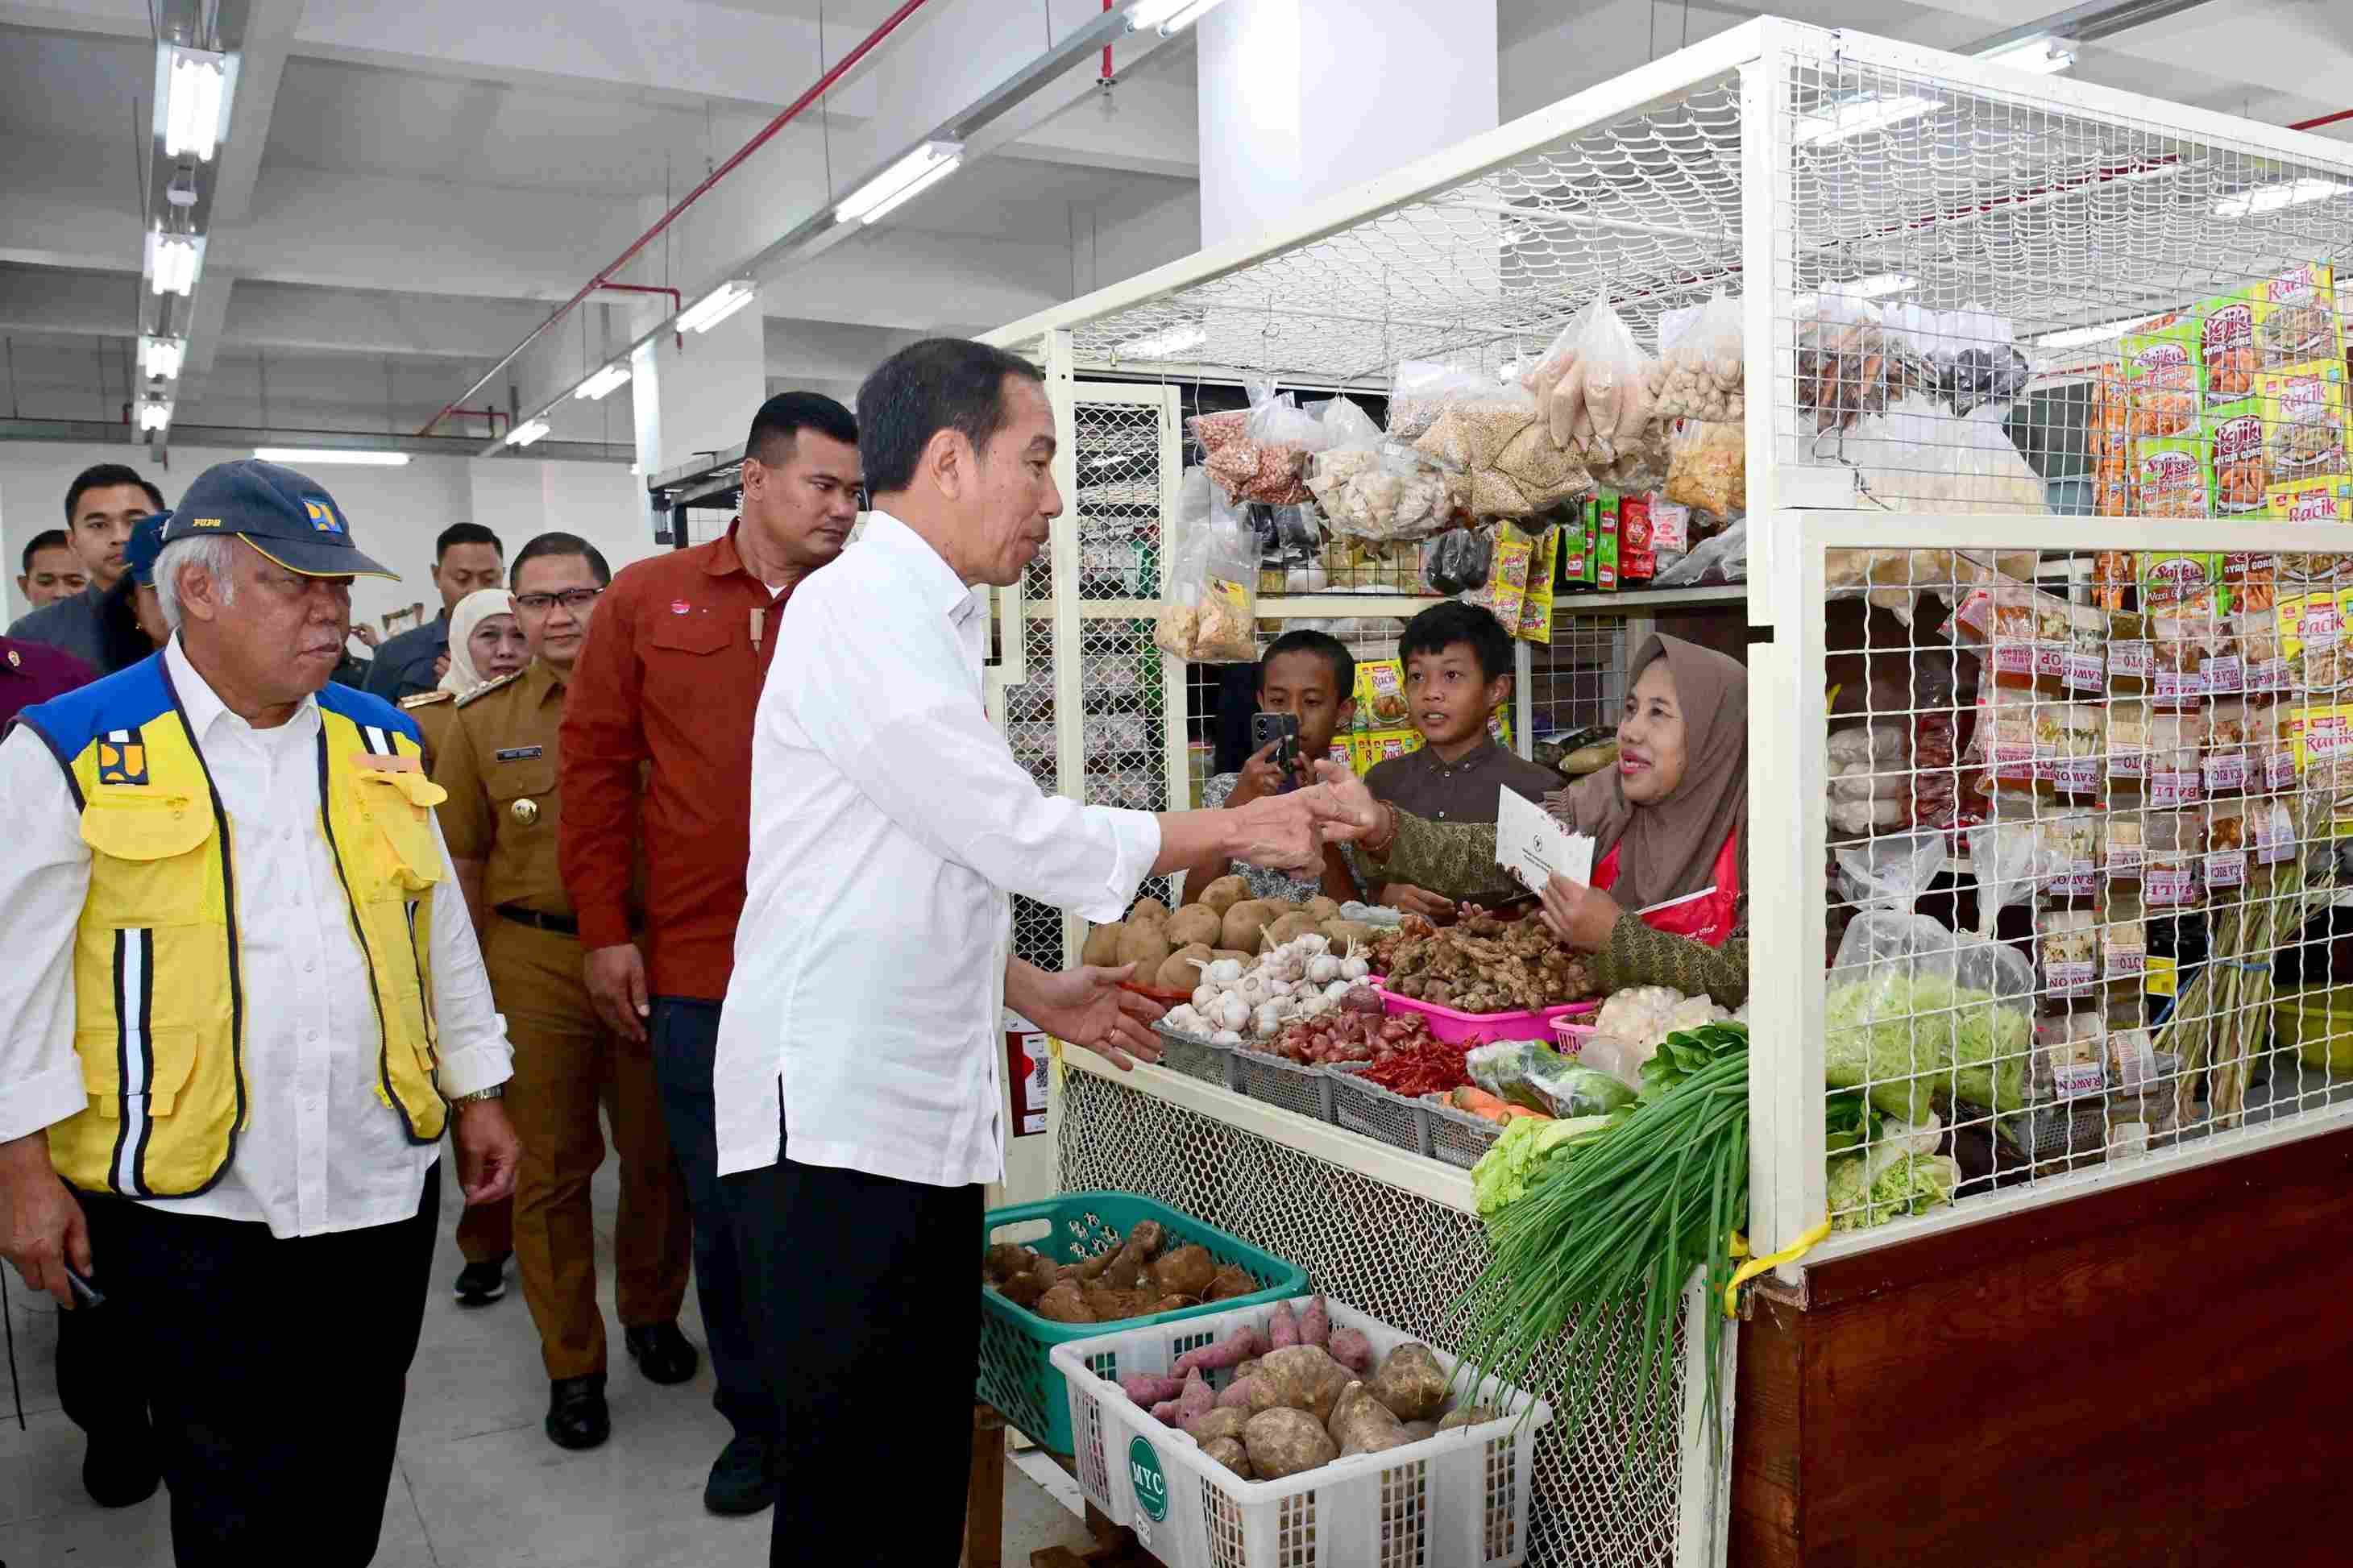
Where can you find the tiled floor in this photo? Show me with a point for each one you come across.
(478, 1484)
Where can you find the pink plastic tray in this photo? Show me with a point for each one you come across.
(1572, 1035)
(1457, 1027)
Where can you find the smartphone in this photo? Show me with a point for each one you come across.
(83, 1290)
(1283, 727)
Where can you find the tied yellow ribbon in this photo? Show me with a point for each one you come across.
(1751, 1269)
(1054, 1050)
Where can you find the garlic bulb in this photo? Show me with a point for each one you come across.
(1187, 1020)
(1224, 1037)
(1337, 989)
(1323, 969)
(1204, 994)
(1254, 988)
(1231, 1011)
(1265, 1021)
(1224, 971)
(1354, 968)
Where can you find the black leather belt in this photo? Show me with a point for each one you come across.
(563, 925)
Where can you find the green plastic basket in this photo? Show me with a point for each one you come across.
(1016, 1376)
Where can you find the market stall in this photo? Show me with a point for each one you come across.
(2029, 541)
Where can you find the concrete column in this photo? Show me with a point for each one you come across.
(1302, 98)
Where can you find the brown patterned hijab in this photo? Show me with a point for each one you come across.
(1667, 850)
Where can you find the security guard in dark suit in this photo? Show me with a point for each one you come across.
(497, 758)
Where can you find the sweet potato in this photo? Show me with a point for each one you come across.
(1195, 923)
(1363, 1425)
(1198, 1398)
(1411, 1383)
(1315, 1322)
(1223, 894)
(1236, 1395)
(1284, 928)
(1230, 1280)
(1165, 1413)
(1149, 1388)
(1064, 1304)
(1352, 1349)
(1282, 1327)
(1022, 1290)
(1285, 1442)
(1150, 909)
(1175, 1303)
(1216, 1424)
(1004, 1260)
(1186, 1271)
(1102, 946)
(1246, 922)
(1468, 1415)
(1300, 1377)
(1181, 973)
(1145, 945)
(1237, 1347)
(1126, 1269)
(1111, 1306)
(1232, 1453)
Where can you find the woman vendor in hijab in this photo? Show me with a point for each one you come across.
(485, 645)
(1669, 902)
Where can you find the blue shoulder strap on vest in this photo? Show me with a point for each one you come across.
(366, 709)
(123, 701)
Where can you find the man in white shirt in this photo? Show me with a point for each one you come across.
(242, 999)
(860, 1047)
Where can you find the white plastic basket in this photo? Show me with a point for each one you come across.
(1459, 1499)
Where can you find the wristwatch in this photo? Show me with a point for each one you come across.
(496, 1091)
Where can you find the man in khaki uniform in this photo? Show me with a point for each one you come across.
(497, 758)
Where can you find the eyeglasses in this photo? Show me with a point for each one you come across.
(573, 599)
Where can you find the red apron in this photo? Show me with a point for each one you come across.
(1706, 916)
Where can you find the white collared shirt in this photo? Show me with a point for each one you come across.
(890, 822)
(320, 1152)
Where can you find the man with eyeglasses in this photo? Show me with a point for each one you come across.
(497, 756)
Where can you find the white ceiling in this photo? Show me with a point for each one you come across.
(430, 176)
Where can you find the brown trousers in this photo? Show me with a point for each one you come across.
(566, 1066)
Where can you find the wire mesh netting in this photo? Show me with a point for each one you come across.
(1576, 683)
(1029, 730)
(2085, 816)
(1405, 1260)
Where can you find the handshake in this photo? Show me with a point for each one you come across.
(1288, 832)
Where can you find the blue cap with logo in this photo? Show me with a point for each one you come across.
(286, 515)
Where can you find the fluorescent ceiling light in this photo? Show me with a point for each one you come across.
(1879, 284)
(524, 434)
(903, 181)
(196, 94)
(160, 356)
(154, 414)
(716, 306)
(604, 381)
(2044, 54)
(305, 456)
(172, 260)
(2273, 198)
(1170, 17)
(1855, 116)
(2076, 337)
(1169, 344)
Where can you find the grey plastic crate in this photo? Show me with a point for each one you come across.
(1380, 1114)
(1197, 1057)
(1275, 1081)
(1458, 1137)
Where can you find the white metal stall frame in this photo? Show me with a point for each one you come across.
(1771, 161)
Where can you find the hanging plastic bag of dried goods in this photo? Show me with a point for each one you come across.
(1707, 467)
(1984, 365)
(1209, 610)
(1370, 489)
(1724, 558)
(1842, 360)
(1499, 442)
(1704, 377)
(1259, 454)
(1420, 390)
(1597, 388)
(1458, 561)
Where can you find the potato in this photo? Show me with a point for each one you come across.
(1148, 909)
(1320, 909)
(1340, 933)
(1223, 894)
(1246, 922)
(1023, 1291)
(1299, 1377)
(1284, 1442)
(1363, 1425)
(1216, 1424)
(1102, 946)
(1230, 1453)
(1283, 907)
(1173, 1303)
(1246, 1370)
(1284, 928)
(1186, 1271)
(1195, 923)
(1411, 1383)
(1179, 973)
(1065, 1304)
(1146, 947)
(1237, 955)
(1468, 1415)
(1415, 1431)
(1231, 1279)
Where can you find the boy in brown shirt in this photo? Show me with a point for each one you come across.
(1458, 668)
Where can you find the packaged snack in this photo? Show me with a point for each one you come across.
(2132, 658)
(1638, 556)
(2123, 938)
(1580, 538)
(2179, 583)
(1506, 592)
(1380, 694)
(1499, 725)
(2162, 386)
(2176, 769)
(2322, 735)
(2131, 1060)
(2112, 572)
(1605, 544)
(1383, 745)
(2069, 859)
(2264, 667)
(2078, 748)
(2226, 762)
(2311, 629)
(2234, 446)
(2224, 665)
(2129, 741)
(2226, 352)
(2303, 413)
(2311, 501)
(1209, 610)
(2180, 645)
(2177, 839)
(2296, 316)
(2013, 743)
(1671, 529)
(2249, 580)
(2124, 846)
(1707, 467)
(2170, 477)
(2070, 950)
(2073, 1054)
(2226, 845)
(2271, 759)
(2272, 833)
(1535, 606)
(2001, 621)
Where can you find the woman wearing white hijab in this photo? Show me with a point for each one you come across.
(485, 644)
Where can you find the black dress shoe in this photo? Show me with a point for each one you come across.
(577, 1416)
(119, 1472)
(740, 1479)
(480, 1284)
(661, 1353)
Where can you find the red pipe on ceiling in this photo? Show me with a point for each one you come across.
(792, 112)
(2318, 121)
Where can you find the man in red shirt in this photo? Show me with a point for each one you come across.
(664, 692)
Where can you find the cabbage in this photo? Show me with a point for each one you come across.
(1900, 1175)
(1901, 1035)
(1529, 1149)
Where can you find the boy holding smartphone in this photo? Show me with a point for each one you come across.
(1458, 670)
(1311, 677)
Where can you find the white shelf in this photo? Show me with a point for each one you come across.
(1636, 600)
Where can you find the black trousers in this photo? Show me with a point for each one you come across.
(274, 1371)
(869, 1336)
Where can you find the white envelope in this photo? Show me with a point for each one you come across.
(1533, 847)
